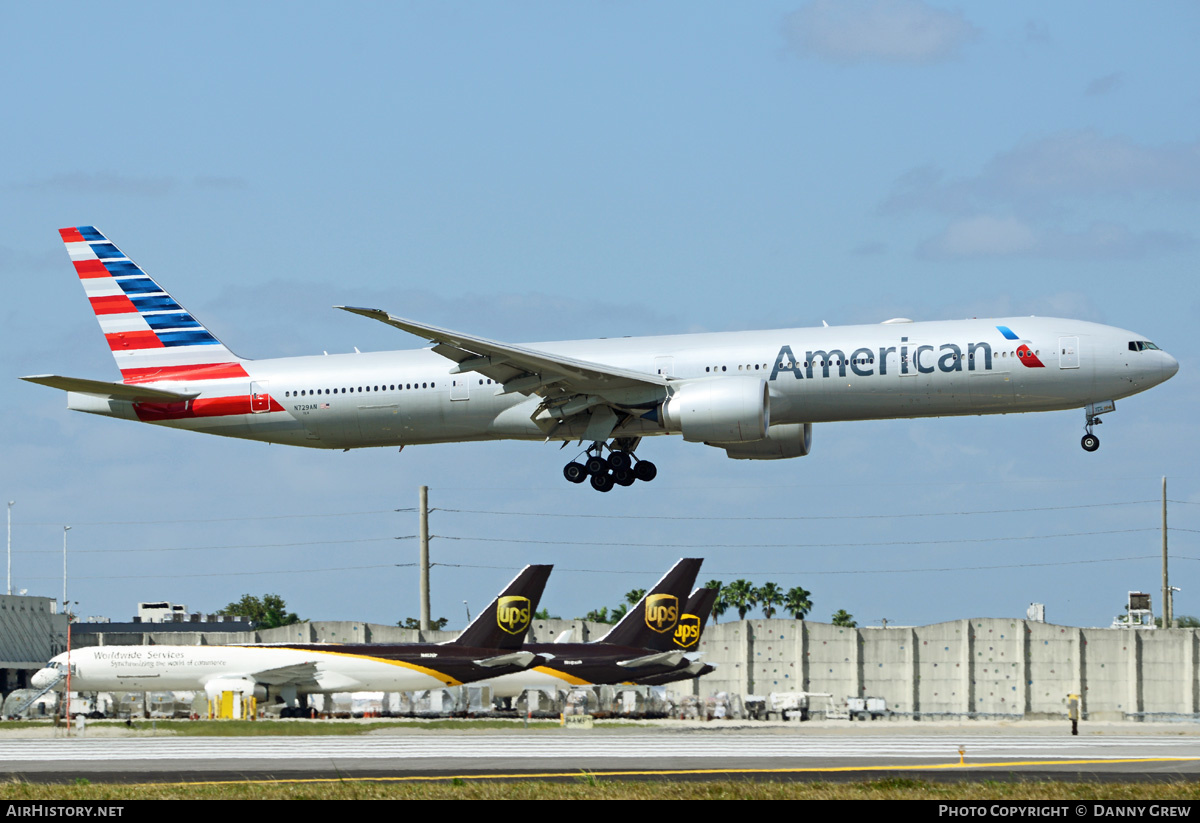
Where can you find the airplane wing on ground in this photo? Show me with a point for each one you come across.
(660, 659)
(570, 386)
(297, 674)
(118, 391)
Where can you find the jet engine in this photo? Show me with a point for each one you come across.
(725, 409)
(788, 440)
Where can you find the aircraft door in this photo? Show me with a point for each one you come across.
(260, 401)
(664, 366)
(1068, 352)
(460, 387)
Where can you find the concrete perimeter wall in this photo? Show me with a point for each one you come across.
(980, 667)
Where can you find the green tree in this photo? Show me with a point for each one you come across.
(599, 615)
(797, 603)
(1184, 621)
(720, 605)
(843, 618)
(634, 596)
(740, 595)
(769, 595)
(544, 614)
(268, 612)
(620, 611)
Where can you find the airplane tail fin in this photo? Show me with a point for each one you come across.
(651, 623)
(694, 619)
(151, 336)
(502, 625)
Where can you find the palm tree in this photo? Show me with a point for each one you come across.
(634, 596)
(740, 595)
(720, 605)
(797, 603)
(843, 618)
(769, 595)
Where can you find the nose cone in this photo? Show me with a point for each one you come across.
(43, 678)
(1170, 366)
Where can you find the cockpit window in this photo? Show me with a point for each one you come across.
(1142, 345)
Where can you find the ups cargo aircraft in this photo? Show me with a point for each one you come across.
(490, 646)
(651, 639)
(754, 394)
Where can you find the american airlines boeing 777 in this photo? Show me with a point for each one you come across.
(754, 394)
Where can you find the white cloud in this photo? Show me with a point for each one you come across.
(1105, 84)
(983, 236)
(989, 236)
(1064, 165)
(889, 31)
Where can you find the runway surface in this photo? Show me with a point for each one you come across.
(683, 754)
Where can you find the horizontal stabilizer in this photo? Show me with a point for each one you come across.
(660, 659)
(118, 391)
(522, 659)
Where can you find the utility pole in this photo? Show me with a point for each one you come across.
(10, 505)
(1168, 615)
(64, 600)
(424, 561)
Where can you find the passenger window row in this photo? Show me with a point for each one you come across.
(352, 389)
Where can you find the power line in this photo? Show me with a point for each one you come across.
(218, 548)
(799, 517)
(785, 545)
(211, 519)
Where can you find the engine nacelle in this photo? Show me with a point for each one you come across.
(725, 409)
(788, 440)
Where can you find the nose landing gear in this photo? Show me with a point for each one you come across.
(620, 468)
(1092, 412)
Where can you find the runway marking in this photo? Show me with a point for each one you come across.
(581, 773)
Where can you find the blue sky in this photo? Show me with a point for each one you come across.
(534, 171)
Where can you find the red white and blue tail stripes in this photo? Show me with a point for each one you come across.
(152, 337)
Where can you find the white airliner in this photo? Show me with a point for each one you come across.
(491, 646)
(754, 394)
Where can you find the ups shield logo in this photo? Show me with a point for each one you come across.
(662, 612)
(513, 613)
(687, 632)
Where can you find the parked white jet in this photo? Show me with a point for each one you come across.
(754, 394)
(491, 646)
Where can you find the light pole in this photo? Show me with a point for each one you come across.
(64, 600)
(10, 505)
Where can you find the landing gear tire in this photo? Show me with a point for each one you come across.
(602, 482)
(575, 472)
(645, 470)
(618, 460)
(1090, 442)
(623, 477)
(596, 465)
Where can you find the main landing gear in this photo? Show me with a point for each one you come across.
(620, 468)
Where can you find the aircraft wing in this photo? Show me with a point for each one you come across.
(522, 659)
(660, 659)
(570, 387)
(118, 391)
(297, 674)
